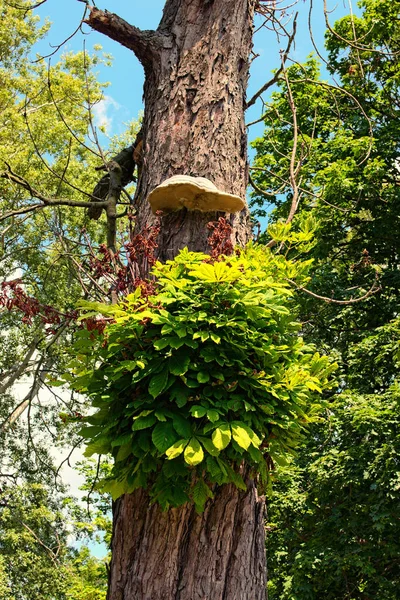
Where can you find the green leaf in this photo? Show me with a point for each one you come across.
(200, 494)
(176, 449)
(222, 436)
(144, 422)
(181, 332)
(212, 415)
(240, 436)
(121, 440)
(215, 338)
(180, 394)
(198, 411)
(160, 415)
(203, 377)
(123, 452)
(255, 454)
(115, 488)
(176, 342)
(193, 453)
(209, 446)
(208, 354)
(158, 383)
(161, 343)
(89, 432)
(98, 446)
(179, 363)
(255, 440)
(182, 426)
(163, 436)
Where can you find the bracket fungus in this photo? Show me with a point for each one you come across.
(193, 193)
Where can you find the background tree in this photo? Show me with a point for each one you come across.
(37, 560)
(332, 518)
(43, 129)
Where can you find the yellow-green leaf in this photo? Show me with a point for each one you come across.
(221, 436)
(194, 452)
(241, 436)
(176, 449)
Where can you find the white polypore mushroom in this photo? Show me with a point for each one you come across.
(193, 193)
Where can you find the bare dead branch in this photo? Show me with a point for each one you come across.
(310, 30)
(275, 78)
(67, 39)
(52, 555)
(269, 7)
(293, 168)
(260, 191)
(67, 459)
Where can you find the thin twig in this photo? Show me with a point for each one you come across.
(275, 78)
(371, 291)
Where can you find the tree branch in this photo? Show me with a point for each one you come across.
(293, 168)
(114, 193)
(18, 371)
(275, 78)
(145, 44)
(374, 289)
(42, 366)
(11, 176)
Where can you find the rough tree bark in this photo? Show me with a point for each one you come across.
(196, 72)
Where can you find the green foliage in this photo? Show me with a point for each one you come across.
(195, 384)
(87, 578)
(347, 172)
(36, 562)
(333, 526)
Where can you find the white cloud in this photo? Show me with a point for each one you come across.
(101, 112)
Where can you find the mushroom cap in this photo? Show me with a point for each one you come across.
(193, 193)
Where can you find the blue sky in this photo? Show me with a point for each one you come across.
(124, 96)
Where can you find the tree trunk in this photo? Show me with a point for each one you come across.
(180, 555)
(196, 72)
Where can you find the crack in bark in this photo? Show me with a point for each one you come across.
(183, 549)
(228, 566)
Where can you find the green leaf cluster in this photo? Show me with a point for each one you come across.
(333, 529)
(196, 384)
